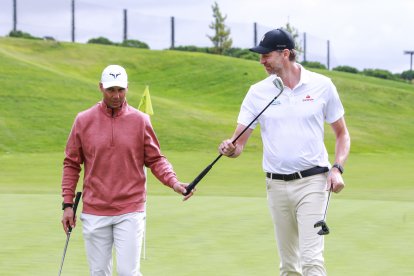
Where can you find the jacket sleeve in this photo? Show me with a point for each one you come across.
(72, 163)
(154, 159)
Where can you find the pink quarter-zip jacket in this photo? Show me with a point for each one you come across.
(113, 148)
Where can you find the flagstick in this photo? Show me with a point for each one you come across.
(145, 106)
(144, 243)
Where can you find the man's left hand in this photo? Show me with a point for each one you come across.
(335, 181)
(181, 189)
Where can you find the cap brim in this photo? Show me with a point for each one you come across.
(114, 83)
(261, 50)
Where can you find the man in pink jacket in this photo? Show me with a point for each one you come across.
(114, 142)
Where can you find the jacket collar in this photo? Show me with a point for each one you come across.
(112, 112)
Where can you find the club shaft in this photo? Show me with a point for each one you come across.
(261, 112)
(64, 253)
(75, 207)
(327, 204)
(194, 183)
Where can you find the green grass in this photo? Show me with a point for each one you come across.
(226, 228)
(196, 97)
(368, 176)
(219, 236)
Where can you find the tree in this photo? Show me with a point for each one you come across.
(295, 34)
(221, 39)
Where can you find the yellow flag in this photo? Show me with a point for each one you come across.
(145, 103)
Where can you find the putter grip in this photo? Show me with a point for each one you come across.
(192, 185)
(75, 206)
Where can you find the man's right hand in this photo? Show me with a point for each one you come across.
(227, 148)
(68, 219)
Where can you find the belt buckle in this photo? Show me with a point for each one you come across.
(293, 176)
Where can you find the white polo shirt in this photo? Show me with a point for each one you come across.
(292, 128)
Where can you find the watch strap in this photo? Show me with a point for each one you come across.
(339, 167)
(66, 205)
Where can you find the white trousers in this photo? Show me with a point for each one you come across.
(295, 207)
(124, 232)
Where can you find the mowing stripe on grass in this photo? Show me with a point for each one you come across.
(211, 235)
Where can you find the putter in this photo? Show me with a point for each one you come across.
(279, 85)
(75, 206)
(322, 223)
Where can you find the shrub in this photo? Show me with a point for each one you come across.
(134, 44)
(100, 40)
(379, 73)
(407, 75)
(192, 48)
(231, 52)
(313, 64)
(347, 69)
(126, 43)
(22, 35)
(241, 53)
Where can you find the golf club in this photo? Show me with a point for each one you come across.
(322, 223)
(75, 206)
(279, 85)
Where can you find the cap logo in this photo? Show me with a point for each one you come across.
(114, 75)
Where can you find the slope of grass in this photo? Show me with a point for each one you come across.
(196, 97)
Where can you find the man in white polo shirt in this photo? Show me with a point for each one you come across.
(298, 172)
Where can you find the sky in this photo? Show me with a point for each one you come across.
(361, 33)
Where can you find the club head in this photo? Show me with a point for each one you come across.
(278, 83)
(324, 227)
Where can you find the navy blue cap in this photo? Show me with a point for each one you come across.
(274, 40)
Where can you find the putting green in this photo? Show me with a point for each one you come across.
(211, 235)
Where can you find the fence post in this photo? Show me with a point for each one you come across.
(172, 32)
(14, 15)
(411, 53)
(304, 46)
(73, 20)
(328, 55)
(254, 34)
(125, 25)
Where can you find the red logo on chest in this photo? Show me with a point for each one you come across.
(308, 98)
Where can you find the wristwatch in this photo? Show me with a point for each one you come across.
(339, 167)
(66, 205)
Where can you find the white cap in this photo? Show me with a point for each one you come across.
(114, 75)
